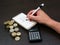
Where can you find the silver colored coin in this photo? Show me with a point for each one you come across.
(18, 33)
(17, 38)
(15, 24)
(11, 30)
(16, 29)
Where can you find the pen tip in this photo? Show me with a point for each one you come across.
(42, 4)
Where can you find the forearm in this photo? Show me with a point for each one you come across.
(54, 25)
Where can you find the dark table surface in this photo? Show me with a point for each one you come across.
(10, 8)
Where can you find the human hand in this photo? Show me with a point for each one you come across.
(40, 16)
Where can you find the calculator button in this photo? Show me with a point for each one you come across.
(34, 35)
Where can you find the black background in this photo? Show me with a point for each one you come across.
(10, 8)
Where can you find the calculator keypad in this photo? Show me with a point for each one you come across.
(34, 35)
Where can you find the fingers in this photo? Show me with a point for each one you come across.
(30, 12)
(32, 17)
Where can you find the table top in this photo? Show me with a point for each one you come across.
(10, 8)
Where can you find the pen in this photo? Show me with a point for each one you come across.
(38, 8)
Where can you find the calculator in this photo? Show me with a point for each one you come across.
(34, 34)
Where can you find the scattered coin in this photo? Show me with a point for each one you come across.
(11, 27)
(16, 29)
(12, 21)
(17, 38)
(18, 34)
(6, 22)
(11, 30)
(13, 34)
(15, 24)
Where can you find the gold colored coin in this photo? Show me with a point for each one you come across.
(11, 27)
(6, 22)
(13, 34)
(12, 21)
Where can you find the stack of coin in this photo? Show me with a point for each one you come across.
(13, 29)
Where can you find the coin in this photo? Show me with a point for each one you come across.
(17, 38)
(11, 27)
(11, 30)
(16, 29)
(6, 22)
(12, 21)
(13, 34)
(15, 24)
(18, 34)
